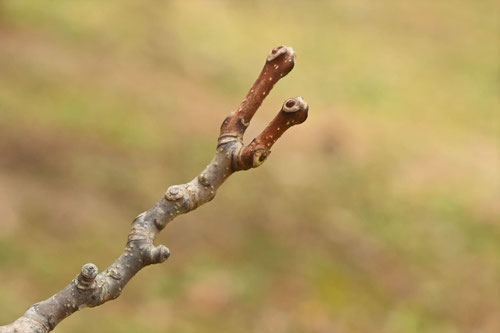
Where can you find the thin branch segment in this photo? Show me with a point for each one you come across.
(279, 63)
(90, 289)
(293, 112)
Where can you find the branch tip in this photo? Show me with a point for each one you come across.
(295, 104)
(279, 51)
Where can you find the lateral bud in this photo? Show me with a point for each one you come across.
(259, 156)
(175, 192)
(156, 255)
(86, 279)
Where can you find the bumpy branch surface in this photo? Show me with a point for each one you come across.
(90, 288)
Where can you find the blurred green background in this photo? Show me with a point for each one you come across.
(381, 213)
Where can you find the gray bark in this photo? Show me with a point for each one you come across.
(90, 288)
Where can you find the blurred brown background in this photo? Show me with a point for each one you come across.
(381, 213)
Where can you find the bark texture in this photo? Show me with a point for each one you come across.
(91, 288)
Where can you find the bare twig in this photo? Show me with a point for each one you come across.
(90, 289)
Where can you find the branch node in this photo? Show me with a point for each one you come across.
(86, 279)
(244, 122)
(260, 156)
(230, 137)
(175, 192)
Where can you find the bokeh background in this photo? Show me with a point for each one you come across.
(381, 213)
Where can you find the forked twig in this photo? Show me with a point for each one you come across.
(90, 289)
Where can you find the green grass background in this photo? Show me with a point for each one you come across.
(381, 213)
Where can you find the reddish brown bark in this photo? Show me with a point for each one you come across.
(279, 63)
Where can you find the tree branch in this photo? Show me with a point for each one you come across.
(90, 289)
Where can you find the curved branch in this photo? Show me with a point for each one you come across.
(90, 289)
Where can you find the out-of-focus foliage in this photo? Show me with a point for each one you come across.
(381, 213)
